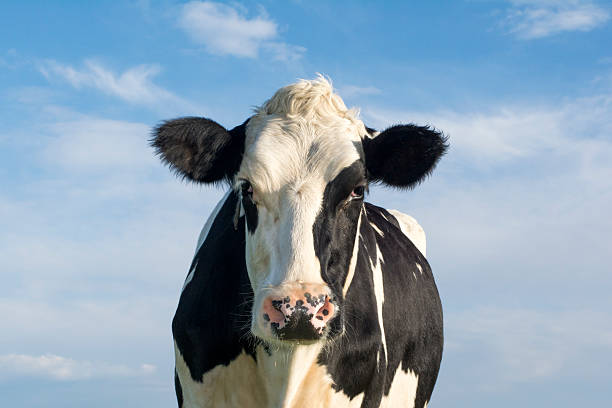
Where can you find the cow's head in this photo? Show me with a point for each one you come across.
(301, 165)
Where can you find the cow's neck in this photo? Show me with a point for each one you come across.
(291, 374)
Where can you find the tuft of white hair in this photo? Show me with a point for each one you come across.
(311, 100)
(304, 131)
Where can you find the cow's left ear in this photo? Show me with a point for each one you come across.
(403, 155)
(200, 149)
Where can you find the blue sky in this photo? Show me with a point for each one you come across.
(96, 236)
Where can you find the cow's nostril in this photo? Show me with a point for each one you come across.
(272, 313)
(326, 310)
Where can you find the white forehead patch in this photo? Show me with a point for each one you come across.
(303, 133)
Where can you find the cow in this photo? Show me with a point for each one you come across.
(300, 293)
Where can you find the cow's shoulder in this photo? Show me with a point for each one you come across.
(395, 225)
(209, 326)
(411, 228)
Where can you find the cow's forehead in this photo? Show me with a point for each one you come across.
(281, 153)
(304, 132)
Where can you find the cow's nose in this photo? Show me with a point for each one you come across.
(298, 314)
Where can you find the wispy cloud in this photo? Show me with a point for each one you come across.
(88, 144)
(507, 134)
(532, 344)
(283, 52)
(87, 168)
(226, 30)
(529, 19)
(350, 91)
(55, 367)
(134, 85)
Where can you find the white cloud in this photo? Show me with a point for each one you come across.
(100, 206)
(225, 30)
(90, 144)
(508, 134)
(349, 91)
(134, 85)
(55, 367)
(531, 344)
(522, 180)
(284, 52)
(530, 19)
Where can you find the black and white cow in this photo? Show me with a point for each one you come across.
(301, 294)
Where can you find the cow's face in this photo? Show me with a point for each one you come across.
(302, 182)
(300, 166)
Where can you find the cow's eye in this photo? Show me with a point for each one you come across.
(247, 189)
(357, 193)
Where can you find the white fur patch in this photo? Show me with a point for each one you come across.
(293, 379)
(303, 130)
(377, 230)
(377, 277)
(353, 262)
(411, 228)
(234, 385)
(403, 390)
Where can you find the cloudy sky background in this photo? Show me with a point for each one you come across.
(96, 236)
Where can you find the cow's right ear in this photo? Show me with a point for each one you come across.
(200, 149)
(403, 155)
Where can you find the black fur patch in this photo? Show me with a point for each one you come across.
(251, 214)
(199, 149)
(403, 155)
(334, 232)
(211, 324)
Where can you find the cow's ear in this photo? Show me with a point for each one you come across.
(199, 149)
(403, 155)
